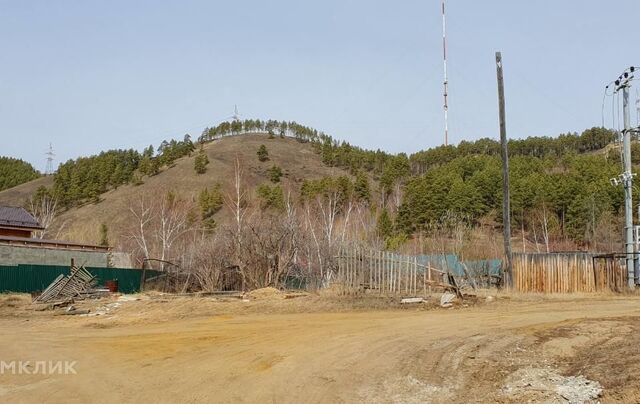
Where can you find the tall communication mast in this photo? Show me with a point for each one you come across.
(446, 81)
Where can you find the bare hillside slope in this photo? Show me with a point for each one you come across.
(18, 195)
(297, 160)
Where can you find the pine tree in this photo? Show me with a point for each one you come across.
(275, 173)
(263, 154)
(145, 166)
(210, 201)
(104, 235)
(271, 197)
(385, 225)
(148, 152)
(361, 188)
(201, 162)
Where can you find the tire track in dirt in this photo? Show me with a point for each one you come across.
(477, 368)
(389, 356)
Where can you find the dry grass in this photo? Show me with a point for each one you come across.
(14, 300)
(14, 304)
(170, 307)
(297, 160)
(18, 195)
(530, 297)
(154, 307)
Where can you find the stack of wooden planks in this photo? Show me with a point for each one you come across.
(79, 284)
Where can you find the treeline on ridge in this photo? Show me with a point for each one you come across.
(15, 172)
(560, 176)
(86, 178)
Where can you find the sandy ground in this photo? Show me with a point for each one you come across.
(316, 349)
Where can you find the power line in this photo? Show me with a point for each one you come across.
(618, 109)
(638, 108)
(613, 111)
(604, 97)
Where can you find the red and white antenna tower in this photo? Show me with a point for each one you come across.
(446, 81)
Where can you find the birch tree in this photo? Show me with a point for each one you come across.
(44, 208)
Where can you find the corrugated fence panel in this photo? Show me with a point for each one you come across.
(28, 278)
(128, 279)
(9, 279)
(33, 278)
(451, 263)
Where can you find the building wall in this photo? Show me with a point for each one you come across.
(120, 260)
(15, 233)
(14, 255)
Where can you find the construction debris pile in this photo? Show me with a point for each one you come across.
(79, 284)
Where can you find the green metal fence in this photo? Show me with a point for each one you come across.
(32, 278)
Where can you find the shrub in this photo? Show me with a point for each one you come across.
(263, 154)
(201, 162)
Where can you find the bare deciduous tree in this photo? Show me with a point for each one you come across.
(44, 209)
(236, 201)
(173, 213)
(143, 212)
(158, 223)
(546, 225)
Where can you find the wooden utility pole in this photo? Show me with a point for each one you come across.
(506, 206)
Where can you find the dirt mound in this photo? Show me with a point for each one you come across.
(265, 293)
(546, 385)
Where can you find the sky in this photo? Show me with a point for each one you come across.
(88, 76)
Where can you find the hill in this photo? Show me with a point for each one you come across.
(15, 172)
(19, 194)
(561, 193)
(297, 160)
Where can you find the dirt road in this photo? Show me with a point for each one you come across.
(505, 351)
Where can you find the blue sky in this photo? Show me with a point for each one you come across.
(94, 75)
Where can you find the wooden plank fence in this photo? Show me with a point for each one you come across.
(568, 273)
(361, 268)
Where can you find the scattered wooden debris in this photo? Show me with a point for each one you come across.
(453, 286)
(293, 295)
(408, 300)
(72, 311)
(234, 294)
(446, 300)
(79, 284)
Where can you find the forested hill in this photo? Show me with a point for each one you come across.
(590, 140)
(15, 172)
(84, 179)
(564, 180)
